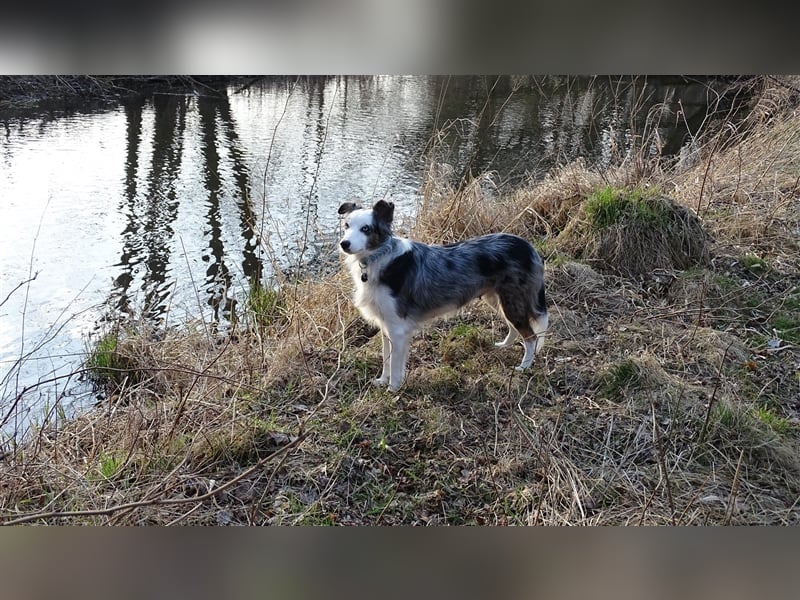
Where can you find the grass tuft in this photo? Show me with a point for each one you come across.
(107, 364)
(609, 206)
(266, 306)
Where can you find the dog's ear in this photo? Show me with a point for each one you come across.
(348, 207)
(384, 211)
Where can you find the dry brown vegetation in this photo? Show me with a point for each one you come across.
(667, 397)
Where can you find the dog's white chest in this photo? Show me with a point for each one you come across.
(374, 301)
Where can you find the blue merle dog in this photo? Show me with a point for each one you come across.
(400, 284)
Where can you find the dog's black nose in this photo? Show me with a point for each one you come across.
(345, 244)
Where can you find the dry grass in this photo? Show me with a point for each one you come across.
(670, 398)
(746, 183)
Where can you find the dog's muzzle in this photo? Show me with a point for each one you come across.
(345, 244)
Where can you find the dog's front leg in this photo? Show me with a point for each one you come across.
(387, 354)
(399, 358)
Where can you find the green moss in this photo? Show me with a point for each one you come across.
(754, 264)
(348, 434)
(107, 468)
(787, 326)
(464, 331)
(557, 259)
(461, 342)
(792, 301)
(376, 495)
(758, 431)
(609, 205)
(110, 465)
(103, 357)
(767, 416)
(311, 515)
(728, 416)
(444, 378)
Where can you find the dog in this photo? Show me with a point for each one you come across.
(400, 284)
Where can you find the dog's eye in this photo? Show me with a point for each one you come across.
(366, 229)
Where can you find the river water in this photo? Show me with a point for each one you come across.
(165, 207)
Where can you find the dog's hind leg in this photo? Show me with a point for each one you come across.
(540, 324)
(534, 342)
(523, 322)
(492, 300)
(530, 351)
(511, 338)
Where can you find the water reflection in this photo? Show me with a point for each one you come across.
(149, 215)
(252, 263)
(150, 247)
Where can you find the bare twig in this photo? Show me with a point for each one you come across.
(704, 429)
(19, 285)
(734, 491)
(659, 447)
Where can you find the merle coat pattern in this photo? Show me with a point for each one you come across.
(400, 284)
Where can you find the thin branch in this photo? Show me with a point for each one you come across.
(19, 285)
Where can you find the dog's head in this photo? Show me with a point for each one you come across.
(366, 229)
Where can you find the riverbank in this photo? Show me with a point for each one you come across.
(666, 394)
(66, 91)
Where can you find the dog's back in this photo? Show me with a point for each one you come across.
(429, 280)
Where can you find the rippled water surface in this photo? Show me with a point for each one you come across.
(166, 207)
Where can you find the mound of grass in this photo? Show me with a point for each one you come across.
(623, 375)
(786, 319)
(632, 231)
(103, 359)
(711, 298)
(109, 467)
(462, 342)
(635, 378)
(755, 264)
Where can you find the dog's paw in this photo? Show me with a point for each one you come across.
(522, 368)
(380, 382)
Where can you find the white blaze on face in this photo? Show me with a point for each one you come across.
(357, 233)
